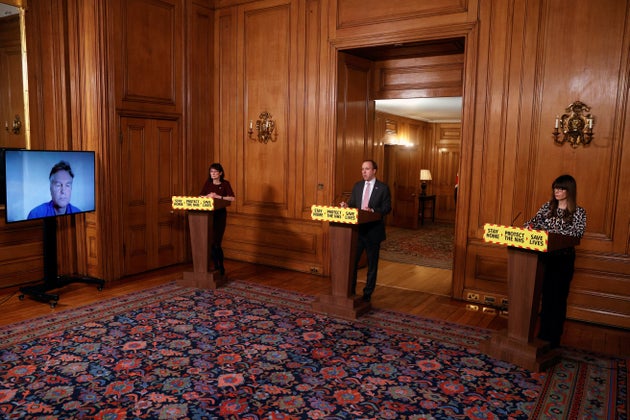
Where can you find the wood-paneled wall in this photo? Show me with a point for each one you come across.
(509, 158)
(523, 64)
(284, 72)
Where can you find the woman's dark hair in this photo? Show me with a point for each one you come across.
(566, 182)
(217, 167)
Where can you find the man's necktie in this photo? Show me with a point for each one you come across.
(366, 196)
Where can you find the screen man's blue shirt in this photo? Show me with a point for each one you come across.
(48, 209)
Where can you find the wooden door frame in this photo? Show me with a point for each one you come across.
(470, 34)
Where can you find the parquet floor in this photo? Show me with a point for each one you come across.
(388, 295)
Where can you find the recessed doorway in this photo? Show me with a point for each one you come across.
(421, 144)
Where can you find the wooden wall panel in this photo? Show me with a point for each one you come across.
(444, 171)
(48, 84)
(420, 77)
(359, 18)
(276, 241)
(265, 66)
(228, 128)
(22, 247)
(275, 183)
(151, 58)
(88, 116)
(595, 167)
(515, 156)
(314, 163)
(355, 116)
(199, 151)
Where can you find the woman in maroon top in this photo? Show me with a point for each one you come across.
(218, 188)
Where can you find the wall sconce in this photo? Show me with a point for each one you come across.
(425, 175)
(264, 126)
(16, 126)
(575, 126)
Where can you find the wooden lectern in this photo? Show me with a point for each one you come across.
(200, 221)
(518, 344)
(343, 247)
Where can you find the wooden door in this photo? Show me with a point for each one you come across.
(355, 120)
(448, 145)
(153, 235)
(403, 171)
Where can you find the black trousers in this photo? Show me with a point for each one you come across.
(219, 222)
(372, 249)
(558, 272)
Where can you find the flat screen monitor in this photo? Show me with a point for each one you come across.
(48, 183)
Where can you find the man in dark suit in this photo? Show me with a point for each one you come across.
(371, 195)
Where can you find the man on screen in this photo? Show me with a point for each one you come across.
(61, 178)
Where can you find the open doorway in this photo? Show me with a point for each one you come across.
(418, 253)
(412, 102)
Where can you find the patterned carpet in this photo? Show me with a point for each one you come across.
(249, 351)
(431, 245)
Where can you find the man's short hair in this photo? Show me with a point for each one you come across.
(374, 165)
(62, 165)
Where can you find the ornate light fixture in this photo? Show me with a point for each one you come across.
(264, 126)
(575, 126)
(16, 126)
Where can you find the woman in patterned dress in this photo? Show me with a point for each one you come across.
(562, 215)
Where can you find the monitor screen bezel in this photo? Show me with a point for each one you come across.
(32, 175)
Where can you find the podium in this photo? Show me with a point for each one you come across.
(344, 232)
(200, 222)
(518, 344)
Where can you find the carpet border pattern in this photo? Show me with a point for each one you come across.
(35, 327)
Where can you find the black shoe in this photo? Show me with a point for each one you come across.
(366, 298)
(222, 270)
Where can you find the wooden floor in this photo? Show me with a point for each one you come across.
(436, 281)
(388, 295)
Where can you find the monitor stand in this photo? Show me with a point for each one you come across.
(51, 280)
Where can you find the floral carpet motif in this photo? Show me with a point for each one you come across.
(431, 245)
(248, 351)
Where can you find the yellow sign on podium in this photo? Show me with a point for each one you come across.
(536, 240)
(192, 203)
(335, 214)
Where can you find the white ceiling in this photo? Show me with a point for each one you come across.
(432, 110)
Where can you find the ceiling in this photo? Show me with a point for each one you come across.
(432, 110)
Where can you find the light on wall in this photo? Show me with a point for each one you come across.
(264, 127)
(425, 175)
(16, 126)
(575, 125)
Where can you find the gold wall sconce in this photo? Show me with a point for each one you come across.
(16, 126)
(265, 128)
(576, 126)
